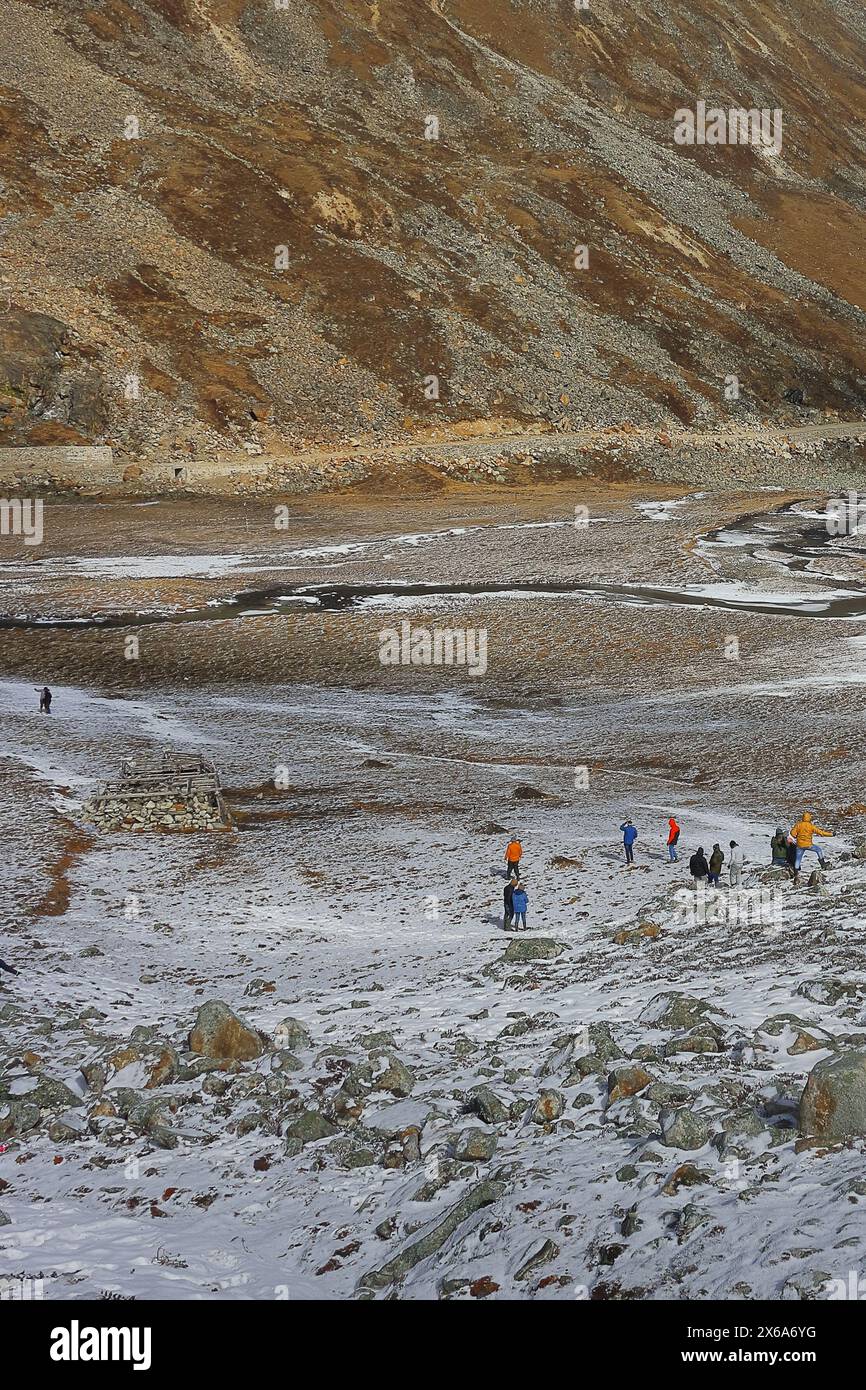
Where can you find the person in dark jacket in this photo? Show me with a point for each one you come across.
(519, 899)
(44, 699)
(791, 855)
(717, 859)
(629, 835)
(779, 848)
(698, 866)
(509, 902)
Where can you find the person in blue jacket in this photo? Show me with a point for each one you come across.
(519, 899)
(629, 835)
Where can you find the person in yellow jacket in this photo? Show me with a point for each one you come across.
(802, 834)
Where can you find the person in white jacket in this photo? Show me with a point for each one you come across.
(735, 865)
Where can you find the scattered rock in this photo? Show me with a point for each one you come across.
(675, 1010)
(548, 1108)
(483, 1194)
(484, 1103)
(545, 1252)
(627, 1081)
(475, 1146)
(310, 1126)
(683, 1129)
(291, 1035)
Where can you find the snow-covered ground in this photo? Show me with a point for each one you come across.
(371, 914)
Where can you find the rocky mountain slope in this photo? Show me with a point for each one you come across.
(237, 205)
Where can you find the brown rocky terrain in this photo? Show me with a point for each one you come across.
(281, 258)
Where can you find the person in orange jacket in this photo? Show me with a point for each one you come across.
(513, 856)
(673, 836)
(802, 834)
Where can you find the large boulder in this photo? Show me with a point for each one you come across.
(219, 1033)
(833, 1103)
(535, 948)
(675, 1010)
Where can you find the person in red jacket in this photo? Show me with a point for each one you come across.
(673, 836)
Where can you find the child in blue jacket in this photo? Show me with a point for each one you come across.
(518, 902)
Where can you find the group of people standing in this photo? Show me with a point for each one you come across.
(787, 850)
(709, 871)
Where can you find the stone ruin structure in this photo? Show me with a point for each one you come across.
(172, 791)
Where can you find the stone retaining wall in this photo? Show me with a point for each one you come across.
(711, 462)
(59, 463)
(67, 466)
(113, 811)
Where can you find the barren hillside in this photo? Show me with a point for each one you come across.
(156, 155)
